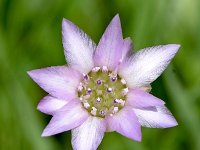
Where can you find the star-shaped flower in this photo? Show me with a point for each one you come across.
(103, 88)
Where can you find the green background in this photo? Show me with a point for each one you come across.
(30, 38)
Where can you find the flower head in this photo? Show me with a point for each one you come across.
(103, 88)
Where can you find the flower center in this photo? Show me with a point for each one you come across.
(102, 92)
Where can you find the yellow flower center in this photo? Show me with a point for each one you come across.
(102, 92)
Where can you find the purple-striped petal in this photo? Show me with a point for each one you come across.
(109, 49)
(68, 117)
(50, 105)
(155, 117)
(140, 99)
(89, 135)
(60, 81)
(78, 47)
(126, 123)
(146, 65)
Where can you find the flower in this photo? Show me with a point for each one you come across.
(103, 88)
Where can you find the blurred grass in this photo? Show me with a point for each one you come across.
(30, 38)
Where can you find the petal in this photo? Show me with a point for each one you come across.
(78, 47)
(146, 65)
(126, 123)
(109, 49)
(89, 135)
(155, 117)
(49, 104)
(126, 49)
(60, 81)
(139, 99)
(68, 117)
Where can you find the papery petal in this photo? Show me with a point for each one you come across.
(109, 50)
(78, 47)
(68, 117)
(89, 135)
(146, 65)
(126, 123)
(60, 81)
(139, 99)
(49, 104)
(155, 117)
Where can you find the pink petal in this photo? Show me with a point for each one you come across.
(49, 104)
(126, 123)
(109, 49)
(155, 117)
(146, 65)
(139, 99)
(78, 47)
(89, 135)
(68, 117)
(60, 82)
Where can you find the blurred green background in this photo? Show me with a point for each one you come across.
(30, 38)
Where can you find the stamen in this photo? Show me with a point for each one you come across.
(81, 98)
(109, 89)
(95, 69)
(123, 81)
(98, 99)
(89, 90)
(99, 82)
(86, 105)
(121, 102)
(115, 110)
(113, 79)
(80, 87)
(85, 77)
(105, 69)
(94, 111)
(116, 101)
(125, 91)
(102, 112)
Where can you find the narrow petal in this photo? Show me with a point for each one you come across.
(60, 81)
(147, 65)
(78, 47)
(68, 117)
(50, 105)
(140, 99)
(126, 123)
(89, 135)
(155, 117)
(109, 49)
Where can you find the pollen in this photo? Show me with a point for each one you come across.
(102, 92)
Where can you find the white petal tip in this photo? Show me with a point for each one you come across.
(47, 133)
(30, 73)
(67, 25)
(139, 139)
(174, 47)
(64, 21)
(116, 18)
(173, 123)
(44, 134)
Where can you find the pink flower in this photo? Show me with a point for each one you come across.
(104, 88)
